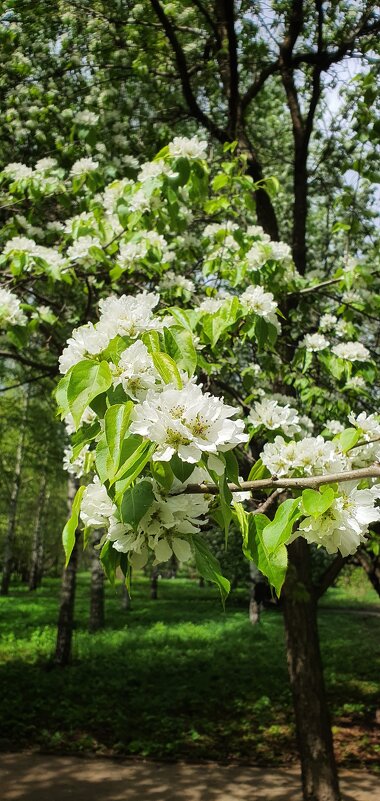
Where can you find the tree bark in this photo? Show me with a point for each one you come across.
(254, 604)
(97, 587)
(371, 565)
(35, 573)
(314, 736)
(65, 624)
(12, 513)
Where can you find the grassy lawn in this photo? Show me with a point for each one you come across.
(178, 677)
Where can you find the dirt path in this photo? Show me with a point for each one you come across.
(32, 777)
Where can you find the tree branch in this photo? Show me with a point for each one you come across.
(330, 575)
(183, 72)
(313, 482)
(17, 357)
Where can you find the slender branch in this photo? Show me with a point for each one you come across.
(313, 482)
(183, 72)
(309, 289)
(17, 357)
(330, 575)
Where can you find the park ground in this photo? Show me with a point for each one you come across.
(180, 679)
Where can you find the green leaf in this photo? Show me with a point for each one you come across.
(136, 502)
(84, 435)
(128, 472)
(272, 565)
(182, 470)
(348, 438)
(87, 380)
(162, 473)
(179, 344)
(232, 467)
(167, 369)
(316, 503)
(208, 566)
(61, 395)
(225, 500)
(116, 422)
(110, 559)
(258, 471)
(68, 534)
(214, 325)
(279, 530)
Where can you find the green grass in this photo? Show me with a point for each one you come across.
(176, 678)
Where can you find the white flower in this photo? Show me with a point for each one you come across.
(352, 351)
(257, 230)
(280, 251)
(77, 466)
(128, 160)
(369, 424)
(139, 201)
(306, 424)
(344, 525)
(350, 264)
(45, 165)
(271, 415)
(171, 280)
(79, 251)
(312, 455)
(10, 311)
(351, 296)
(18, 171)
(96, 507)
(188, 422)
(87, 340)
(213, 228)
(211, 305)
(135, 371)
(86, 118)
(193, 148)
(356, 382)
(163, 529)
(152, 169)
(128, 315)
(259, 301)
(314, 342)
(327, 322)
(256, 256)
(83, 166)
(88, 417)
(55, 260)
(334, 426)
(20, 244)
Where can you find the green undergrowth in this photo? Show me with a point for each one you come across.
(177, 677)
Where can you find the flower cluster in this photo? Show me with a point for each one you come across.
(10, 309)
(344, 525)
(272, 415)
(310, 456)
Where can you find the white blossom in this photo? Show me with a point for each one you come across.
(280, 251)
(188, 422)
(193, 148)
(128, 315)
(171, 280)
(334, 426)
(96, 507)
(344, 525)
(369, 424)
(18, 171)
(87, 340)
(211, 305)
(327, 322)
(351, 351)
(270, 414)
(10, 311)
(260, 302)
(256, 256)
(312, 455)
(45, 165)
(20, 244)
(135, 371)
(153, 169)
(76, 467)
(83, 166)
(88, 417)
(86, 118)
(314, 342)
(79, 251)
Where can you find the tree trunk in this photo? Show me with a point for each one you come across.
(154, 584)
(371, 565)
(255, 605)
(15, 491)
(66, 609)
(35, 573)
(314, 737)
(97, 587)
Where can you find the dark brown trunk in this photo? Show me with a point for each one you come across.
(154, 584)
(12, 512)
(371, 565)
(319, 775)
(300, 206)
(201, 582)
(65, 624)
(254, 604)
(35, 573)
(97, 587)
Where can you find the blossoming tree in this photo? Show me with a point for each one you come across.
(195, 392)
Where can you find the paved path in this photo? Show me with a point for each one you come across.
(32, 777)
